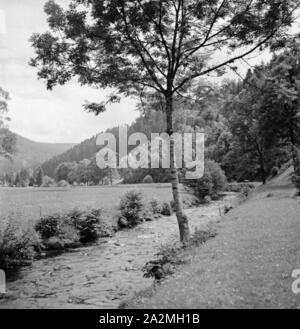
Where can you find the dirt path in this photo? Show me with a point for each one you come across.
(103, 275)
(248, 265)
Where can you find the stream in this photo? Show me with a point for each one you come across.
(103, 275)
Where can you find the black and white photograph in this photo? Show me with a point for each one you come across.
(149, 157)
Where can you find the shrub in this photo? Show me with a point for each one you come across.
(148, 179)
(89, 224)
(171, 256)
(131, 207)
(48, 226)
(212, 182)
(17, 246)
(72, 229)
(166, 209)
(48, 181)
(63, 183)
(155, 206)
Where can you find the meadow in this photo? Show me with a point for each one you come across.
(29, 204)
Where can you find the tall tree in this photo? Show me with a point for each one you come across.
(62, 171)
(137, 46)
(38, 176)
(7, 138)
(280, 114)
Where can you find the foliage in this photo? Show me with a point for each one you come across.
(67, 230)
(171, 256)
(48, 226)
(155, 206)
(166, 209)
(31, 181)
(131, 207)
(17, 246)
(89, 224)
(161, 46)
(212, 182)
(7, 138)
(62, 171)
(148, 179)
(48, 182)
(174, 45)
(63, 183)
(38, 174)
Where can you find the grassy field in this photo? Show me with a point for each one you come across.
(29, 204)
(248, 265)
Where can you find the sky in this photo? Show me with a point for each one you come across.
(53, 116)
(41, 115)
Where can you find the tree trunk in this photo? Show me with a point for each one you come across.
(184, 230)
(261, 164)
(262, 169)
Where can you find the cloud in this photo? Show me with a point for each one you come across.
(41, 115)
(2, 22)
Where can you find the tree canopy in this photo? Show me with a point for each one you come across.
(7, 138)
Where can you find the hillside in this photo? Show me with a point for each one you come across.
(248, 265)
(152, 122)
(31, 154)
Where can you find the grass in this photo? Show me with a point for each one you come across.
(29, 204)
(24, 207)
(248, 265)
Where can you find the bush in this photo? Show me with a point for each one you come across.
(132, 206)
(72, 229)
(212, 182)
(48, 182)
(148, 179)
(63, 183)
(155, 206)
(48, 226)
(166, 209)
(88, 224)
(17, 246)
(171, 256)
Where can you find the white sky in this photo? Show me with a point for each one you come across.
(36, 113)
(55, 116)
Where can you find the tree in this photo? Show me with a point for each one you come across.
(48, 181)
(243, 117)
(72, 176)
(82, 171)
(137, 46)
(17, 181)
(24, 177)
(39, 176)
(7, 138)
(63, 170)
(95, 173)
(280, 115)
(31, 181)
(9, 179)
